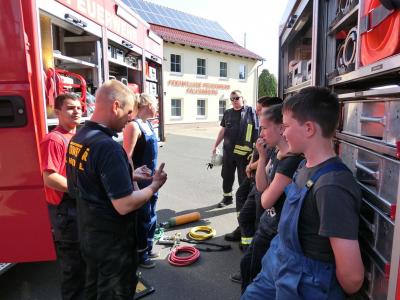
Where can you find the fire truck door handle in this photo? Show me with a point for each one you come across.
(379, 120)
(12, 112)
(367, 170)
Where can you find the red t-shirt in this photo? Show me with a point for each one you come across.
(53, 149)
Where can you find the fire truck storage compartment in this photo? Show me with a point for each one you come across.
(376, 281)
(376, 229)
(296, 45)
(342, 37)
(377, 119)
(69, 47)
(84, 48)
(377, 174)
(124, 64)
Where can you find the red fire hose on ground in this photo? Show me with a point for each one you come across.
(175, 257)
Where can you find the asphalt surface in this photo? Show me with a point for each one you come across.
(190, 187)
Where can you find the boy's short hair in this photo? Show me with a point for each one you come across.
(274, 114)
(266, 101)
(317, 104)
(59, 101)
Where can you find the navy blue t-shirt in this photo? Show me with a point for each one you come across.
(103, 173)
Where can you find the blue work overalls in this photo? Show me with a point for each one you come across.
(286, 273)
(147, 218)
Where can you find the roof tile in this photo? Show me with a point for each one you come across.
(192, 39)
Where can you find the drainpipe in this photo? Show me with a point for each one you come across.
(262, 62)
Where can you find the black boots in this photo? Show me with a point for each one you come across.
(227, 200)
(234, 236)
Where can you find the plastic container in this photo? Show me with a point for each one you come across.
(383, 40)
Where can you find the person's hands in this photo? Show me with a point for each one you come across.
(142, 173)
(214, 150)
(159, 178)
(248, 170)
(260, 146)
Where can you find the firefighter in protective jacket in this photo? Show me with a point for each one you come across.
(239, 127)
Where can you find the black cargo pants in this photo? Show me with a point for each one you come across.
(231, 163)
(249, 215)
(109, 250)
(65, 229)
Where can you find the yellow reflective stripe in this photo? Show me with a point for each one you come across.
(249, 132)
(243, 148)
(246, 240)
(242, 153)
(227, 194)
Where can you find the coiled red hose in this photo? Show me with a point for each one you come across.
(181, 261)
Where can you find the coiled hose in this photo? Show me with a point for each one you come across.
(201, 233)
(182, 261)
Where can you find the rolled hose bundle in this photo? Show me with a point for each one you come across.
(182, 261)
(201, 233)
(346, 53)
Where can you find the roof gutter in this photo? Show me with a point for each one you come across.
(262, 62)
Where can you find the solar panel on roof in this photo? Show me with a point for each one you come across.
(168, 17)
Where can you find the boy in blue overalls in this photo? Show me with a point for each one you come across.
(316, 254)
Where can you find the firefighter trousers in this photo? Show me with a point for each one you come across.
(242, 193)
(231, 163)
(64, 223)
(249, 216)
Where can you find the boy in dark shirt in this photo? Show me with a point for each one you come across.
(316, 254)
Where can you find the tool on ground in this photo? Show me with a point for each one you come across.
(180, 220)
(201, 233)
(143, 288)
(176, 240)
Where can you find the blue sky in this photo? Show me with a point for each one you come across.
(260, 19)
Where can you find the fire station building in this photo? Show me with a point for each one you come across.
(202, 65)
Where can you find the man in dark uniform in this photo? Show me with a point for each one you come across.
(100, 178)
(239, 127)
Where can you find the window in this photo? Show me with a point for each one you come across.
(222, 108)
(201, 66)
(175, 63)
(201, 108)
(223, 69)
(242, 72)
(176, 108)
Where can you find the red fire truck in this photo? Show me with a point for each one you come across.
(49, 47)
(353, 48)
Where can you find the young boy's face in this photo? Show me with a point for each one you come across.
(69, 115)
(293, 132)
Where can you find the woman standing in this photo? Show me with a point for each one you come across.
(140, 144)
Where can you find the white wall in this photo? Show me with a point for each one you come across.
(189, 57)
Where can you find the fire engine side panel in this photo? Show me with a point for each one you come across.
(24, 222)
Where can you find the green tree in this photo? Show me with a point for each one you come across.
(266, 84)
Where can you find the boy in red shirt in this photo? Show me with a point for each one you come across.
(62, 207)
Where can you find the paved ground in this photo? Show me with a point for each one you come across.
(190, 187)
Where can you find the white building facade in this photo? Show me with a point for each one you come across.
(202, 64)
(197, 83)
